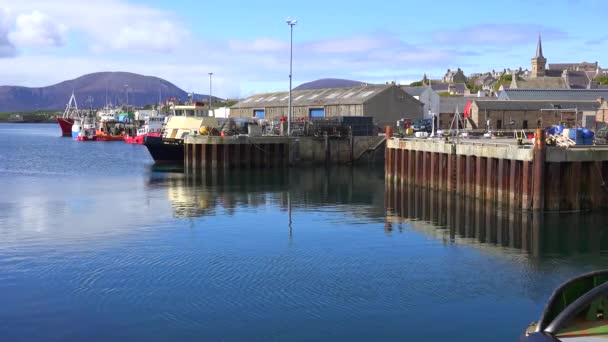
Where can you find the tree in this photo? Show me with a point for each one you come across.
(602, 79)
(416, 84)
(505, 78)
(472, 87)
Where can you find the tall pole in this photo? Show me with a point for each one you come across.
(210, 74)
(291, 24)
(127, 96)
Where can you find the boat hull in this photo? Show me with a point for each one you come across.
(163, 151)
(66, 126)
(85, 138)
(139, 139)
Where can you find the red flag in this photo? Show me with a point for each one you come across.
(467, 110)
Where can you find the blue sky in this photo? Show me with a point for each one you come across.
(246, 43)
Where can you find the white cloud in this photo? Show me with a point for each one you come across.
(112, 24)
(160, 37)
(36, 29)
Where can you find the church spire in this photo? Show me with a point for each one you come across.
(539, 48)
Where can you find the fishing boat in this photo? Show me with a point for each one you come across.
(186, 120)
(152, 126)
(88, 128)
(576, 311)
(113, 128)
(66, 121)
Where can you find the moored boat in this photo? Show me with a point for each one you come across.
(66, 121)
(576, 311)
(186, 120)
(152, 126)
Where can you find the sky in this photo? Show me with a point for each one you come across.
(246, 44)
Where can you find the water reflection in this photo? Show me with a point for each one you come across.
(357, 191)
(457, 219)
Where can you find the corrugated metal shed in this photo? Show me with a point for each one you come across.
(553, 94)
(334, 96)
(537, 105)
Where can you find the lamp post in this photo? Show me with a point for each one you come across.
(291, 23)
(127, 96)
(210, 74)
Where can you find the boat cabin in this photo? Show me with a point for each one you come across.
(196, 109)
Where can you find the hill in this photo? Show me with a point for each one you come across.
(142, 90)
(325, 83)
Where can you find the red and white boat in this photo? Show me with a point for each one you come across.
(153, 126)
(66, 121)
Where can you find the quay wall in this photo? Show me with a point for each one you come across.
(244, 152)
(518, 177)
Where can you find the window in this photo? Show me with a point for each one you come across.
(317, 113)
(525, 124)
(498, 124)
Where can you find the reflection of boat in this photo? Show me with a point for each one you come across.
(66, 121)
(186, 120)
(576, 311)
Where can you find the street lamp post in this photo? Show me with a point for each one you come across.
(210, 74)
(291, 24)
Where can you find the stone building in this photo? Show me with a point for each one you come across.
(385, 103)
(532, 114)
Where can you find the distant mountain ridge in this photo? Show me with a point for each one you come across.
(113, 86)
(326, 83)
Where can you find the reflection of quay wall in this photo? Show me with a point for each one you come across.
(470, 221)
(204, 194)
(245, 152)
(519, 177)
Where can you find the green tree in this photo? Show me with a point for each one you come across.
(416, 84)
(602, 79)
(504, 79)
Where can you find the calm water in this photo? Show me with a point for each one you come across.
(97, 245)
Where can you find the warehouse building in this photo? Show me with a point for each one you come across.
(385, 103)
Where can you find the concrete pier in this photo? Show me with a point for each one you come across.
(519, 177)
(245, 152)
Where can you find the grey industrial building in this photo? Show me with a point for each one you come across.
(385, 103)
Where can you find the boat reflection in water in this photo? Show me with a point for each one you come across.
(458, 219)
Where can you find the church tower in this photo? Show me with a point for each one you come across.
(539, 61)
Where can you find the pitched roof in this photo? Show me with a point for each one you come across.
(578, 79)
(539, 82)
(449, 104)
(536, 105)
(553, 94)
(415, 91)
(333, 96)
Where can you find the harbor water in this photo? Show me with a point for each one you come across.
(97, 244)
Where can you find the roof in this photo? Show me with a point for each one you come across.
(415, 91)
(573, 66)
(449, 104)
(539, 82)
(539, 49)
(536, 105)
(333, 96)
(553, 94)
(578, 79)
